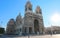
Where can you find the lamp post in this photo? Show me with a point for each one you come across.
(51, 30)
(1, 24)
(28, 36)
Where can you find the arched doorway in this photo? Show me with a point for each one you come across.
(36, 26)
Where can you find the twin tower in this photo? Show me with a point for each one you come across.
(28, 7)
(31, 23)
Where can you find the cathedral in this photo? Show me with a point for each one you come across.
(31, 23)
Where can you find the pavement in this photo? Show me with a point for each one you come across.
(35, 36)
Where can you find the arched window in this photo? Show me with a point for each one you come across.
(20, 29)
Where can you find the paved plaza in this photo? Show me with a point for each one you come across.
(36, 36)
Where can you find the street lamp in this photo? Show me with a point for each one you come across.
(1, 24)
(51, 30)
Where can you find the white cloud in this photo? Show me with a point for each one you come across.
(55, 19)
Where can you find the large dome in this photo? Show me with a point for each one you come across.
(19, 19)
(11, 22)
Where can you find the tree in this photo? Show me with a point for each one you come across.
(2, 30)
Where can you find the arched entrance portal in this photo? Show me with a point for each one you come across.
(36, 26)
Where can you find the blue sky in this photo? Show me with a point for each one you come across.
(11, 8)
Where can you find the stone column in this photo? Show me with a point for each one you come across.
(27, 30)
(33, 29)
(39, 27)
(33, 25)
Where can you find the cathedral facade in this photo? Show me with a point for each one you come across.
(31, 23)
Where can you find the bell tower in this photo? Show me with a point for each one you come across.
(28, 6)
(38, 10)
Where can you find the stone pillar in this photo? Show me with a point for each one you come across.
(27, 30)
(33, 29)
(33, 26)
